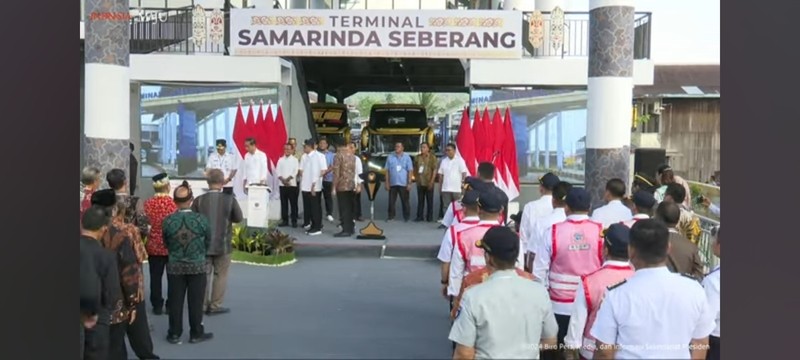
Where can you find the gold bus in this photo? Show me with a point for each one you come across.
(332, 122)
(390, 124)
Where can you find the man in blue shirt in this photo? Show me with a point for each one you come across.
(327, 179)
(399, 168)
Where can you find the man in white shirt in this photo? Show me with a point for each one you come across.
(711, 283)
(452, 172)
(655, 314)
(540, 225)
(535, 209)
(614, 211)
(224, 161)
(255, 165)
(286, 170)
(312, 165)
(470, 203)
(359, 180)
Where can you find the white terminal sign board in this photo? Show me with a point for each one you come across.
(457, 34)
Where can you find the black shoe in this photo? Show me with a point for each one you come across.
(174, 340)
(294, 225)
(158, 310)
(418, 220)
(283, 224)
(342, 234)
(217, 311)
(201, 338)
(442, 226)
(359, 219)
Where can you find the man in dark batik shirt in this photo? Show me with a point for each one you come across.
(187, 236)
(118, 182)
(120, 242)
(96, 339)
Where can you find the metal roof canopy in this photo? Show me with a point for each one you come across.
(343, 77)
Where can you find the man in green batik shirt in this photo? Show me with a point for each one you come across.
(187, 236)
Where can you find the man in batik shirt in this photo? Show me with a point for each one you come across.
(138, 331)
(156, 209)
(121, 242)
(187, 236)
(135, 214)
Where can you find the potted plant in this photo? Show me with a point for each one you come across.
(263, 247)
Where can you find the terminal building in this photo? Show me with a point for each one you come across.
(186, 63)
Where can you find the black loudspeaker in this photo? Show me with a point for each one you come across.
(647, 161)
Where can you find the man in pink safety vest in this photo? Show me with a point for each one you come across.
(644, 203)
(570, 249)
(590, 294)
(467, 256)
(470, 202)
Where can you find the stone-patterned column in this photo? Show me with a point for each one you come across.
(107, 85)
(610, 87)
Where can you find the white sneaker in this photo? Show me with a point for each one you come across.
(315, 233)
(330, 218)
(307, 227)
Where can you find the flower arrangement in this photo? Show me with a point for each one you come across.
(269, 247)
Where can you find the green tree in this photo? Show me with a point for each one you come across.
(364, 104)
(389, 98)
(430, 101)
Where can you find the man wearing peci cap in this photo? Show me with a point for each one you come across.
(506, 316)
(470, 203)
(589, 295)
(224, 161)
(570, 249)
(644, 202)
(538, 208)
(467, 256)
(120, 243)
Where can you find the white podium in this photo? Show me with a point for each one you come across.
(257, 206)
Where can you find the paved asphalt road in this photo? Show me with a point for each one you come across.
(323, 308)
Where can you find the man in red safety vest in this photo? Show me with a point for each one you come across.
(570, 249)
(590, 294)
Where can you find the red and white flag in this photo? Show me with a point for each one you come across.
(465, 143)
(498, 138)
(509, 151)
(239, 135)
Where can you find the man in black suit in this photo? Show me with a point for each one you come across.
(134, 174)
(100, 286)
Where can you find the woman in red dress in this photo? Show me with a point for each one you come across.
(156, 209)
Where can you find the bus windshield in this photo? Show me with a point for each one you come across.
(398, 118)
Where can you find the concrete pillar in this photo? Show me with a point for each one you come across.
(610, 88)
(536, 160)
(546, 6)
(559, 143)
(107, 87)
(547, 143)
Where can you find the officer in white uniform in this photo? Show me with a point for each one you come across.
(644, 203)
(655, 314)
(224, 161)
(470, 202)
(711, 283)
(538, 208)
(614, 211)
(507, 316)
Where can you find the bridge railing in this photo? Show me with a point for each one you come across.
(575, 41)
(706, 242)
(171, 31)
